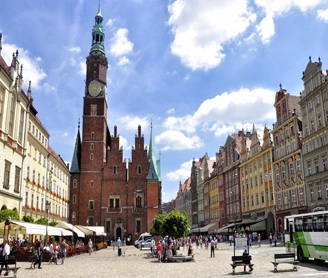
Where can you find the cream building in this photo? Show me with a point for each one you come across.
(314, 109)
(25, 155)
(13, 118)
(47, 176)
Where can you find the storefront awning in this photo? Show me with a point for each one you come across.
(260, 226)
(194, 230)
(90, 230)
(207, 227)
(32, 229)
(225, 229)
(69, 226)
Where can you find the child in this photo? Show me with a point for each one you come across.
(55, 256)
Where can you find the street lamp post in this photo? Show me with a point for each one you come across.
(47, 209)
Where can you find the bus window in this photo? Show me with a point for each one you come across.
(298, 224)
(307, 224)
(318, 225)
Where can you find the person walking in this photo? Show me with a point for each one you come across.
(90, 246)
(118, 242)
(63, 251)
(212, 247)
(259, 239)
(51, 252)
(159, 251)
(275, 240)
(5, 255)
(39, 252)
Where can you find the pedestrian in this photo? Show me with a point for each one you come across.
(212, 247)
(55, 256)
(191, 251)
(63, 251)
(90, 246)
(51, 252)
(118, 242)
(275, 240)
(39, 252)
(159, 251)
(270, 239)
(5, 256)
(259, 239)
(152, 245)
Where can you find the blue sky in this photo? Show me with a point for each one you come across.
(199, 70)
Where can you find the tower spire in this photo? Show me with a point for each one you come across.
(98, 33)
(153, 172)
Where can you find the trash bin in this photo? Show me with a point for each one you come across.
(119, 251)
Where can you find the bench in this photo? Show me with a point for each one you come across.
(11, 265)
(241, 261)
(285, 258)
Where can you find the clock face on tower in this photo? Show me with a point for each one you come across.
(94, 88)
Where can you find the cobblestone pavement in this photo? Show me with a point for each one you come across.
(134, 263)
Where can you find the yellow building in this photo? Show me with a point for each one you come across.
(47, 177)
(257, 192)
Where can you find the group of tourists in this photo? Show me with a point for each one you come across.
(55, 250)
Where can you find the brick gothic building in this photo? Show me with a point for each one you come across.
(104, 189)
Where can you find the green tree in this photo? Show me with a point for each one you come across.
(28, 219)
(42, 221)
(156, 228)
(173, 224)
(8, 214)
(53, 223)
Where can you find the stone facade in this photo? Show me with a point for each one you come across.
(314, 110)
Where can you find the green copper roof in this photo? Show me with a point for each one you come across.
(154, 168)
(75, 167)
(98, 33)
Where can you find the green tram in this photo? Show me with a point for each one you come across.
(306, 235)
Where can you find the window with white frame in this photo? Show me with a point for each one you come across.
(293, 195)
(285, 198)
(283, 171)
(279, 199)
(319, 192)
(301, 194)
(309, 168)
(312, 194)
(324, 163)
(298, 165)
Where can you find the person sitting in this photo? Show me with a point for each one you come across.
(191, 251)
(245, 253)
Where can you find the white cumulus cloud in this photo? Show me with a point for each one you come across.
(323, 15)
(273, 9)
(32, 69)
(180, 174)
(201, 28)
(120, 43)
(123, 61)
(176, 140)
(132, 122)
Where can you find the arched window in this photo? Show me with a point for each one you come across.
(74, 199)
(74, 183)
(139, 170)
(114, 170)
(138, 201)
